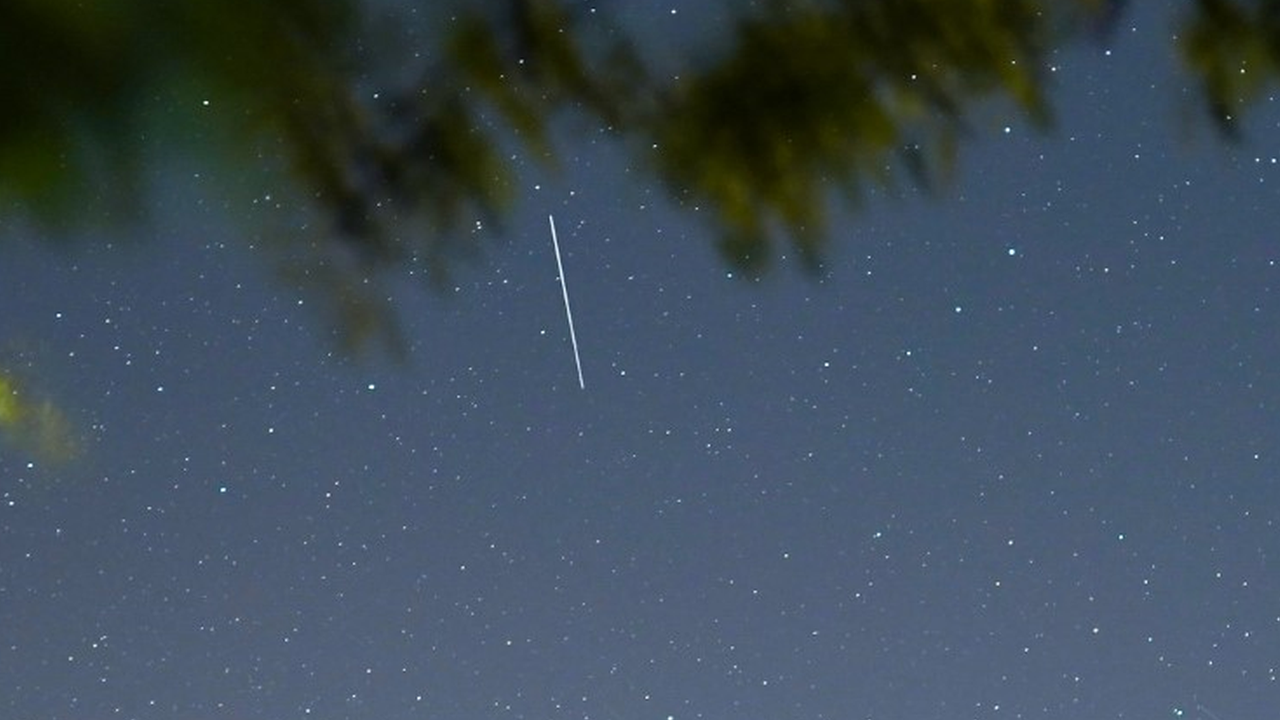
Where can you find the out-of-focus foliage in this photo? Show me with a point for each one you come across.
(67, 92)
(36, 427)
(802, 99)
(1233, 47)
(831, 95)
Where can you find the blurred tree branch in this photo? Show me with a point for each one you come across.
(807, 97)
(37, 427)
(1233, 48)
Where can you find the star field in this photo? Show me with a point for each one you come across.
(1010, 456)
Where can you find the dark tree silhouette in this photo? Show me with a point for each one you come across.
(807, 99)
(831, 95)
(1233, 48)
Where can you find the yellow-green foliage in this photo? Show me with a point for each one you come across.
(831, 95)
(1234, 50)
(35, 427)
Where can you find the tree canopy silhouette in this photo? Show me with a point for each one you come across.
(804, 99)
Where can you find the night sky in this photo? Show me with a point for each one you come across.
(1011, 456)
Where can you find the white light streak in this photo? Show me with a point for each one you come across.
(564, 289)
(1207, 711)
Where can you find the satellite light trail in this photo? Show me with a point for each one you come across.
(1207, 711)
(564, 289)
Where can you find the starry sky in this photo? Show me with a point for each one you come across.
(1011, 456)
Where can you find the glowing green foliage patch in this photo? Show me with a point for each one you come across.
(36, 427)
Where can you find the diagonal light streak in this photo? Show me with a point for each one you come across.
(564, 289)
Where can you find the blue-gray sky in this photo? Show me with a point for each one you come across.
(1011, 457)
